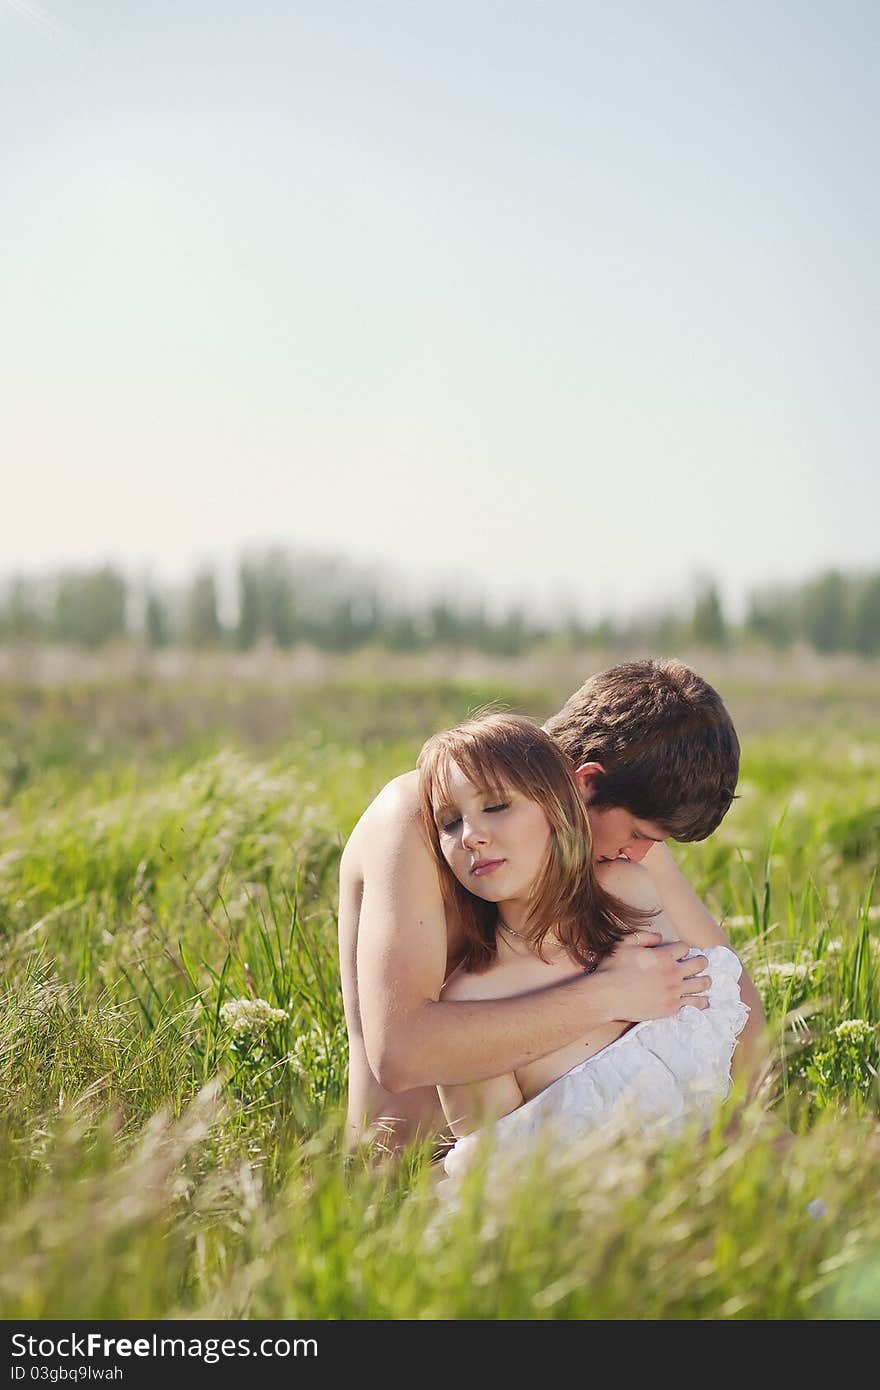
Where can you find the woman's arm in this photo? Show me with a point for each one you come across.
(468, 1108)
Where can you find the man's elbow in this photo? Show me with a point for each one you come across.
(392, 1066)
(391, 1075)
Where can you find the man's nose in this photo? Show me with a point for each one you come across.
(636, 852)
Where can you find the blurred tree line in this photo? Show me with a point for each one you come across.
(285, 599)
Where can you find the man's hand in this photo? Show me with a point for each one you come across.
(650, 980)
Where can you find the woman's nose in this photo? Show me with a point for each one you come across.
(472, 833)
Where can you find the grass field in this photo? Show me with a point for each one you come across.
(169, 1146)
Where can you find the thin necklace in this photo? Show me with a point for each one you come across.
(520, 934)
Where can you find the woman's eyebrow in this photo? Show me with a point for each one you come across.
(445, 808)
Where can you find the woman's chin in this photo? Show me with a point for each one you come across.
(485, 891)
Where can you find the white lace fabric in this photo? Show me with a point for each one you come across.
(658, 1076)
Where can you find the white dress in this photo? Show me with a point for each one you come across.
(657, 1077)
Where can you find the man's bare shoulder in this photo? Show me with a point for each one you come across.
(391, 822)
(401, 793)
(398, 800)
(389, 871)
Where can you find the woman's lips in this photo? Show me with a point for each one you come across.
(487, 866)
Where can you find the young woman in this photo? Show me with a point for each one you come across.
(510, 833)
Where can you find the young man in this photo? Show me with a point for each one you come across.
(657, 758)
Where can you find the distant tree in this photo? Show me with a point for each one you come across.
(772, 616)
(476, 627)
(21, 616)
(825, 612)
(367, 614)
(510, 636)
(775, 616)
(573, 631)
(279, 599)
(202, 622)
(341, 629)
(90, 607)
(605, 633)
(666, 630)
(866, 617)
(400, 631)
(157, 627)
(708, 625)
(444, 623)
(249, 607)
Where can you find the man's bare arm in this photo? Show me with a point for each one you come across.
(414, 1039)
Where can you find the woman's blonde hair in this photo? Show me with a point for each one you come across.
(503, 752)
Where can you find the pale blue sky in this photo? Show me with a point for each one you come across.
(530, 297)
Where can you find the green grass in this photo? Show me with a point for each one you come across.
(169, 851)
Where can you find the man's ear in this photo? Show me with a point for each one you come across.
(587, 777)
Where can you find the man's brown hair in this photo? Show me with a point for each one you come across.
(667, 744)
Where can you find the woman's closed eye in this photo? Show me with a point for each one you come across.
(448, 823)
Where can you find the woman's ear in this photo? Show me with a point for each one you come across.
(587, 777)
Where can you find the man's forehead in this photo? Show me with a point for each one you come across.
(650, 831)
(626, 820)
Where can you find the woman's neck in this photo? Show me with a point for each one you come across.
(512, 928)
(514, 915)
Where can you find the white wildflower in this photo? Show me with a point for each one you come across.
(242, 1016)
(834, 946)
(746, 921)
(856, 1029)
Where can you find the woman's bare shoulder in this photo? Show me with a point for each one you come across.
(633, 885)
(629, 882)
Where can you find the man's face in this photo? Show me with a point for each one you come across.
(618, 834)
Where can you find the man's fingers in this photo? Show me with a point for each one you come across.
(643, 937)
(696, 964)
(695, 984)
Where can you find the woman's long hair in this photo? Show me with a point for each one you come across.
(503, 752)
